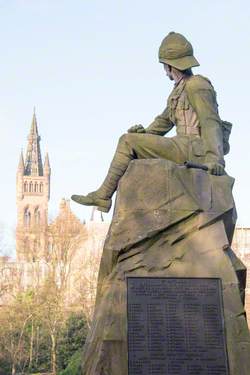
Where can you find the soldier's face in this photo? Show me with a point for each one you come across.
(167, 69)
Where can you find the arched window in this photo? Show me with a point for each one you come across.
(31, 187)
(25, 187)
(37, 216)
(41, 187)
(36, 187)
(26, 217)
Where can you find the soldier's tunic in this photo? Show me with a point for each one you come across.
(193, 109)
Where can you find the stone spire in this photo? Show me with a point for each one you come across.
(21, 164)
(46, 163)
(33, 161)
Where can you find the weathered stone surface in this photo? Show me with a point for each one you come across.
(168, 222)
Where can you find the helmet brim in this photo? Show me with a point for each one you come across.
(181, 63)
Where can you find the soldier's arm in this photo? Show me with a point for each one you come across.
(161, 124)
(202, 97)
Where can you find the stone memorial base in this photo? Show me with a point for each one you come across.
(169, 222)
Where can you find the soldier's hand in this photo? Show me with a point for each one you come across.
(137, 129)
(215, 169)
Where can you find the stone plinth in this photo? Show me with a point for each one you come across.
(168, 222)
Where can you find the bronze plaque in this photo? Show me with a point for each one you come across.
(175, 326)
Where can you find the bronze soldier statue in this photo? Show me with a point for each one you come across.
(202, 137)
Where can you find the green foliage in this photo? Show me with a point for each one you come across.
(72, 339)
(5, 366)
(74, 365)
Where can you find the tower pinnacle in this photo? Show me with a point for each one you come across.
(21, 163)
(33, 161)
(46, 162)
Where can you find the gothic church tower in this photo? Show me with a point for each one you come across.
(32, 195)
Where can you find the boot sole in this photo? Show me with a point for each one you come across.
(103, 209)
(101, 204)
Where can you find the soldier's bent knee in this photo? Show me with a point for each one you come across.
(130, 138)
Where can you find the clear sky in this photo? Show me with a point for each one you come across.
(90, 68)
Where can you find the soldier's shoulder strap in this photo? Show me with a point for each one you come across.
(198, 82)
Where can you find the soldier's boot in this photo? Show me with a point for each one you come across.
(102, 196)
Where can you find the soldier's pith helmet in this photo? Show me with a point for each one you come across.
(177, 51)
